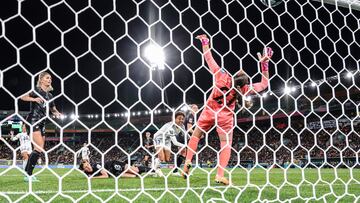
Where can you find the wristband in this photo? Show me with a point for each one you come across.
(264, 66)
(205, 41)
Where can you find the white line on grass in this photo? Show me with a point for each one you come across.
(109, 190)
(146, 189)
(259, 171)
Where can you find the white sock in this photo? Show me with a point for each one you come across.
(24, 164)
(157, 163)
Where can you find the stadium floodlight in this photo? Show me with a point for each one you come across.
(264, 95)
(287, 90)
(146, 112)
(73, 116)
(155, 55)
(139, 113)
(96, 116)
(313, 84)
(349, 75)
(293, 89)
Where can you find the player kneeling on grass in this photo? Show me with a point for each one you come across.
(165, 136)
(116, 168)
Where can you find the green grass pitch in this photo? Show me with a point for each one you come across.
(257, 185)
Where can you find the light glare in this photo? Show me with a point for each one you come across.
(287, 90)
(155, 55)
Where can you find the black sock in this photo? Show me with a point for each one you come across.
(143, 169)
(32, 162)
(179, 161)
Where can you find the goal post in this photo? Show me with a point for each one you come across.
(353, 4)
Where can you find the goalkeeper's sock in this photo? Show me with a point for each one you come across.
(144, 169)
(193, 144)
(32, 162)
(224, 157)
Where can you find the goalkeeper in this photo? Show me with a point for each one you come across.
(220, 106)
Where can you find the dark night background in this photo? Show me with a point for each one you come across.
(96, 45)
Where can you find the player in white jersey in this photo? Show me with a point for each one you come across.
(167, 135)
(25, 144)
(85, 153)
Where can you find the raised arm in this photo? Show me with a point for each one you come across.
(214, 67)
(14, 138)
(264, 62)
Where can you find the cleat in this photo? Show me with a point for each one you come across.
(186, 169)
(33, 179)
(159, 173)
(176, 174)
(222, 180)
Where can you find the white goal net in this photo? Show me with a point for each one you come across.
(122, 69)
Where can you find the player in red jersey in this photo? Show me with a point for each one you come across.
(219, 109)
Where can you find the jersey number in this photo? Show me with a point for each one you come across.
(117, 167)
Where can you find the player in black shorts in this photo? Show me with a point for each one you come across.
(149, 145)
(190, 119)
(37, 117)
(182, 138)
(116, 168)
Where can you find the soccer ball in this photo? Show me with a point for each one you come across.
(272, 3)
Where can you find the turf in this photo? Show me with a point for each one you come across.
(256, 185)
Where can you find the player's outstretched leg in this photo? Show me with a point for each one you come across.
(224, 158)
(192, 147)
(157, 168)
(179, 160)
(31, 165)
(25, 157)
